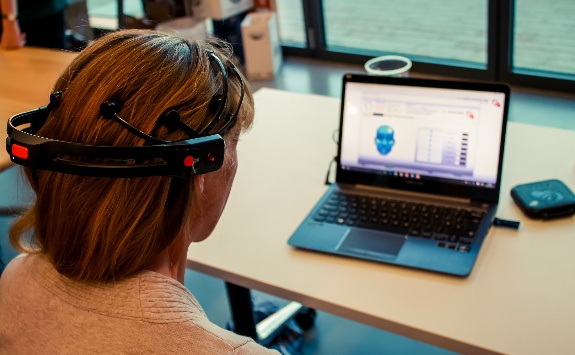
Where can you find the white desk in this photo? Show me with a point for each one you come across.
(519, 299)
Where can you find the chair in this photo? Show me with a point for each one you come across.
(265, 331)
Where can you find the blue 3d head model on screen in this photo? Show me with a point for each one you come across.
(384, 140)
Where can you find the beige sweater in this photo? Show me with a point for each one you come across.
(42, 312)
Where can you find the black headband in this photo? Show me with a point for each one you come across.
(183, 158)
(200, 154)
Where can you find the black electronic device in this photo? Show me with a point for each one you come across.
(201, 153)
(544, 199)
(412, 172)
(183, 158)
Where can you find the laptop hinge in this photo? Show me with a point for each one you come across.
(417, 195)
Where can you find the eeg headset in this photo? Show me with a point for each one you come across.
(201, 153)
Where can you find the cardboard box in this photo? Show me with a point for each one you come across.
(262, 49)
(218, 9)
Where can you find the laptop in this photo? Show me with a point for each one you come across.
(418, 173)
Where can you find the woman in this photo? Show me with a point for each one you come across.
(107, 255)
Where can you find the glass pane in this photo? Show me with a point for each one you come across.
(291, 23)
(544, 35)
(104, 13)
(448, 29)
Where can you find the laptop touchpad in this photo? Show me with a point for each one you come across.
(372, 244)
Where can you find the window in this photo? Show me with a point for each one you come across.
(544, 37)
(103, 14)
(522, 42)
(450, 29)
(291, 23)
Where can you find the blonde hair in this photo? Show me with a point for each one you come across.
(103, 229)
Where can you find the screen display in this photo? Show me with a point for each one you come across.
(448, 135)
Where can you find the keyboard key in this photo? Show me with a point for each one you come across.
(453, 238)
(330, 207)
(440, 236)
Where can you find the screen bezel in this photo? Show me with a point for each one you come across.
(477, 193)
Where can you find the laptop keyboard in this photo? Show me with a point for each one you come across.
(453, 228)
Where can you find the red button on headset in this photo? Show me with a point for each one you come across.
(189, 161)
(19, 151)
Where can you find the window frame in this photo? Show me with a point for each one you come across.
(499, 52)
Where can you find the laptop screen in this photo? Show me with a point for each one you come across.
(446, 135)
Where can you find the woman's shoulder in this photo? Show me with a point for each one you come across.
(18, 264)
(18, 274)
(172, 307)
(209, 338)
(179, 324)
